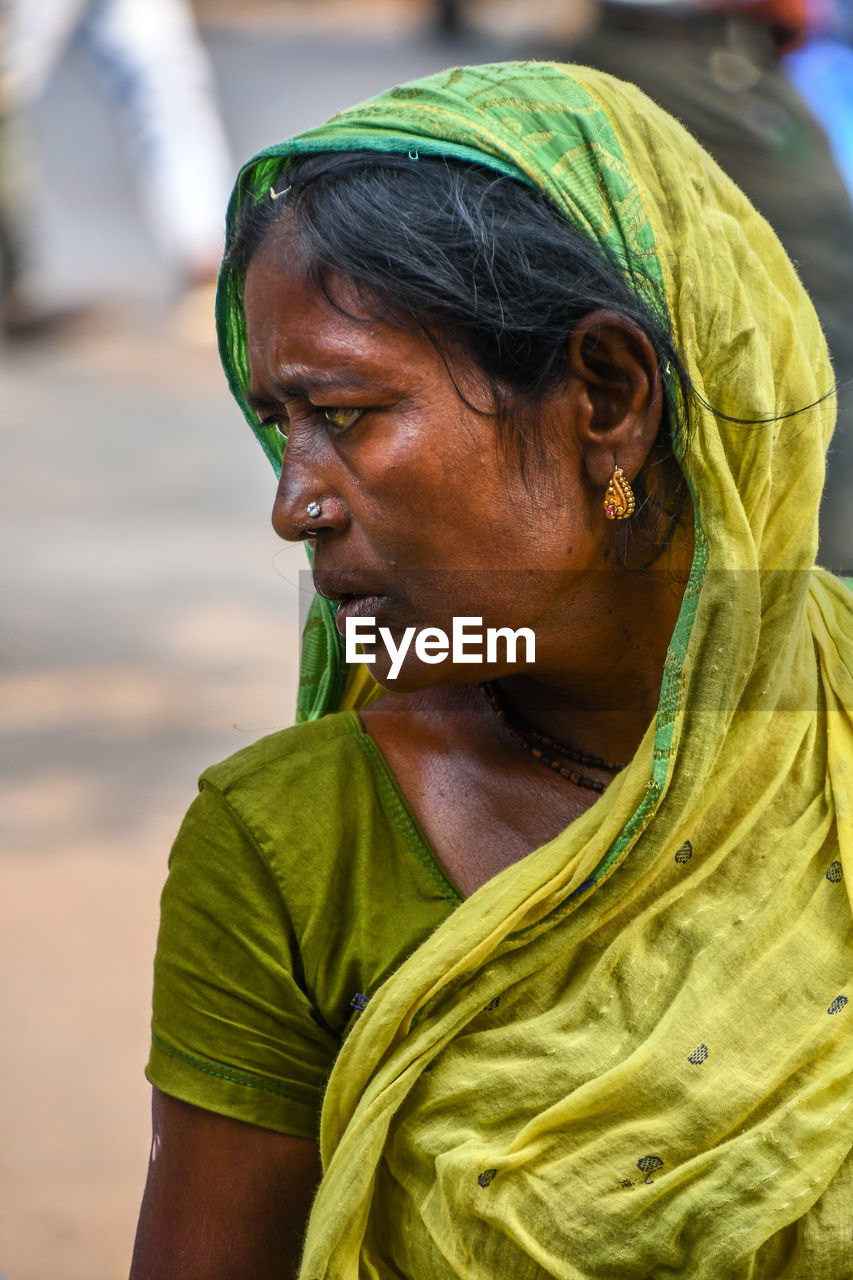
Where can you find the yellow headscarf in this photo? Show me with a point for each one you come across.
(629, 1055)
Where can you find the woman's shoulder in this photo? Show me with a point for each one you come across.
(300, 845)
(292, 894)
(311, 783)
(304, 757)
(318, 803)
(305, 798)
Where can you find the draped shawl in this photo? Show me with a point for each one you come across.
(629, 1054)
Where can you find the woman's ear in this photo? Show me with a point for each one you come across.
(619, 394)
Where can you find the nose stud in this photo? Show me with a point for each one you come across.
(313, 510)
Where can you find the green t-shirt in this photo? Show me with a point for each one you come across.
(298, 882)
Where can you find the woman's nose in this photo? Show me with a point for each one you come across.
(305, 502)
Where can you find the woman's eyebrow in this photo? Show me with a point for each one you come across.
(256, 402)
(306, 384)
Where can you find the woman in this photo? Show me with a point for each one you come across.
(539, 363)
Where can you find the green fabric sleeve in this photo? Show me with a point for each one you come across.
(233, 1030)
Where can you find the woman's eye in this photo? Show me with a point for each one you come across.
(281, 423)
(342, 417)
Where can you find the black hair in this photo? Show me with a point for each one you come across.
(476, 259)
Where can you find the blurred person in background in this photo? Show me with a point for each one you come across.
(17, 316)
(822, 69)
(154, 62)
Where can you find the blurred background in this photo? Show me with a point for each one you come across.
(150, 614)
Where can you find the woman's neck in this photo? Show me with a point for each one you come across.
(601, 696)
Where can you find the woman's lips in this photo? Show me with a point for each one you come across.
(358, 607)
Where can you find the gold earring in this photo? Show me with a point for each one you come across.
(619, 499)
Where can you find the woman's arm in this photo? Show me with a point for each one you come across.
(224, 1200)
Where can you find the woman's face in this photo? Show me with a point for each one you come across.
(424, 515)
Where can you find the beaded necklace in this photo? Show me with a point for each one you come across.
(540, 745)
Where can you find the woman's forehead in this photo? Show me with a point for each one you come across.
(281, 296)
(304, 336)
(284, 273)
